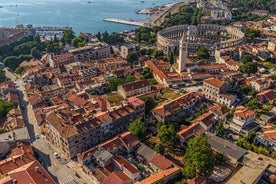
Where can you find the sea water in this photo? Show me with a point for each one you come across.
(81, 15)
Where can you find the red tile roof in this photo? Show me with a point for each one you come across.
(126, 164)
(193, 130)
(268, 94)
(244, 112)
(218, 109)
(22, 167)
(176, 104)
(205, 118)
(196, 180)
(135, 85)
(134, 101)
(161, 162)
(214, 82)
(153, 65)
(156, 177)
(32, 173)
(117, 177)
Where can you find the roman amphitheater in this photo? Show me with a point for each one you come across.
(211, 36)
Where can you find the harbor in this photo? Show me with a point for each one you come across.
(157, 13)
(128, 22)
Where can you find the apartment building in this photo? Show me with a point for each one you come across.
(243, 120)
(127, 48)
(91, 52)
(60, 60)
(178, 107)
(73, 135)
(134, 88)
(216, 90)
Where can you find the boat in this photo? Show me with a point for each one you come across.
(142, 1)
(1, 6)
(89, 2)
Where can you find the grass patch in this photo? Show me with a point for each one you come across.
(268, 65)
(170, 94)
(114, 98)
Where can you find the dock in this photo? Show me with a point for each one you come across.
(128, 22)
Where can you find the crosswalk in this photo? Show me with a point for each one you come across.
(71, 164)
(67, 180)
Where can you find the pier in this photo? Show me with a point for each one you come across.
(128, 22)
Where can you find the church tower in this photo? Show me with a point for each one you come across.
(183, 53)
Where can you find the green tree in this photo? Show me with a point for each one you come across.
(167, 135)
(114, 83)
(19, 69)
(36, 53)
(252, 34)
(132, 57)
(158, 54)
(147, 73)
(5, 107)
(202, 53)
(2, 76)
(198, 158)
(253, 104)
(220, 129)
(171, 60)
(246, 59)
(129, 78)
(78, 41)
(149, 104)
(137, 128)
(67, 36)
(143, 51)
(249, 68)
(99, 36)
(159, 148)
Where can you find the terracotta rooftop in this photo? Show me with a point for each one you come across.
(269, 94)
(176, 104)
(135, 85)
(218, 109)
(153, 65)
(243, 112)
(205, 118)
(32, 173)
(161, 162)
(125, 139)
(22, 167)
(268, 135)
(214, 82)
(126, 164)
(196, 180)
(225, 58)
(134, 101)
(191, 131)
(156, 177)
(214, 66)
(117, 177)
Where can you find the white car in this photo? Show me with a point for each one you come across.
(56, 155)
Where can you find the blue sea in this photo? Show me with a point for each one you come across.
(81, 15)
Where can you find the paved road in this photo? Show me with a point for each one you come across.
(58, 168)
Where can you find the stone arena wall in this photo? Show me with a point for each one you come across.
(209, 35)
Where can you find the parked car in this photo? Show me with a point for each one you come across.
(56, 155)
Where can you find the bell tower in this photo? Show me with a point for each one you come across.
(183, 53)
